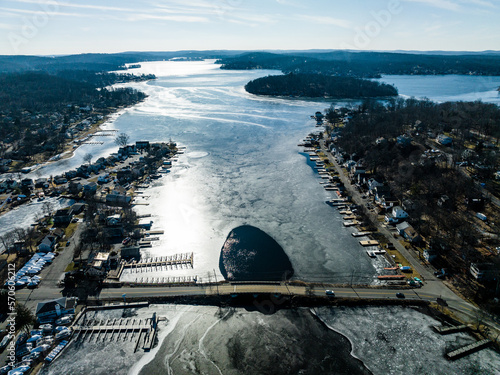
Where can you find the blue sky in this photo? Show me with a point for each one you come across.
(46, 27)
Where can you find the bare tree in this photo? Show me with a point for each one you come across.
(88, 157)
(122, 139)
(47, 208)
(7, 240)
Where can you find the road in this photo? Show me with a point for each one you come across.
(427, 293)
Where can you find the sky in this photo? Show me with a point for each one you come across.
(53, 27)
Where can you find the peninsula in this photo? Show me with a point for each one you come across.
(319, 85)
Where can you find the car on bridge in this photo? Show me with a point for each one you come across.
(330, 293)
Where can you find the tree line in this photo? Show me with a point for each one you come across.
(366, 64)
(318, 85)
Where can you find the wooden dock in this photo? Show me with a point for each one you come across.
(170, 260)
(468, 349)
(360, 234)
(154, 232)
(369, 243)
(351, 223)
(143, 330)
(450, 329)
(164, 281)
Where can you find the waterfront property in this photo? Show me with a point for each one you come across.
(49, 311)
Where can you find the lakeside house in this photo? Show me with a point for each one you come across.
(411, 235)
(395, 215)
(63, 216)
(430, 255)
(142, 145)
(484, 271)
(444, 140)
(90, 188)
(49, 311)
(118, 196)
(114, 220)
(48, 243)
(401, 227)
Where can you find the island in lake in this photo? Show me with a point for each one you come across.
(319, 85)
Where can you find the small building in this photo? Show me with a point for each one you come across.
(78, 208)
(114, 220)
(142, 145)
(63, 216)
(49, 311)
(47, 244)
(430, 255)
(131, 252)
(401, 227)
(411, 235)
(444, 140)
(118, 197)
(58, 233)
(145, 224)
(484, 271)
(403, 140)
(100, 261)
(90, 188)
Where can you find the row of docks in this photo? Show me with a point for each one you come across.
(464, 350)
(116, 330)
(175, 261)
(165, 281)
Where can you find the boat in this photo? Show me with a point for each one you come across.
(63, 334)
(64, 320)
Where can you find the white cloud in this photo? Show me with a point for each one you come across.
(455, 5)
(325, 20)
(443, 4)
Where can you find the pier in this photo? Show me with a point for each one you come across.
(144, 330)
(468, 349)
(159, 262)
(451, 329)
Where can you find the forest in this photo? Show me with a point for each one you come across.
(396, 142)
(318, 85)
(39, 111)
(366, 64)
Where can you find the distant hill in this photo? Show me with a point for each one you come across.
(317, 85)
(367, 64)
(331, 62)
(97, 62)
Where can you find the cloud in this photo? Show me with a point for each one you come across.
(456, 6)
(443, 4)
(74, 5)
(325, 20)
(27, 11)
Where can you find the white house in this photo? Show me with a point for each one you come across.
(48, 311)
(47, 244)
(396, 215)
